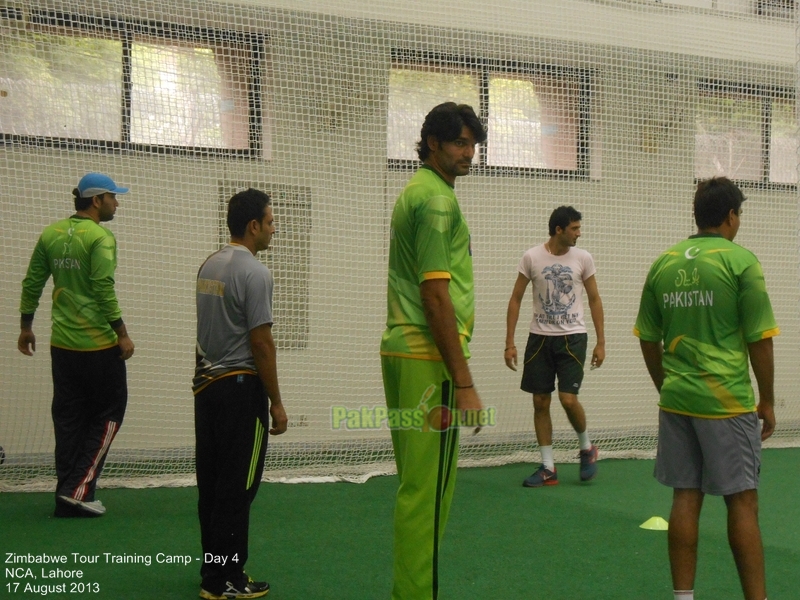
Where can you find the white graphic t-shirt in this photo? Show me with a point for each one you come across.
(557, 289)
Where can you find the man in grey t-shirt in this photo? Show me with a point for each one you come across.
(223, 344)
(235, 382)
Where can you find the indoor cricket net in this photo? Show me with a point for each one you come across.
(616, 107)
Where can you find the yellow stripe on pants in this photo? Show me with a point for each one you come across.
(258, 440)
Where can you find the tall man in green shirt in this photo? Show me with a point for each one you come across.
(89, 343)
(704, 309)
(424, 350)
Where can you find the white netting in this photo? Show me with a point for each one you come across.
(615, 107)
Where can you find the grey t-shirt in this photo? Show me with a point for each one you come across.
(234, 296)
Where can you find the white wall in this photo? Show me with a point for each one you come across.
(327, 91)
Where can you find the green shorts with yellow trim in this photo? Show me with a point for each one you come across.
(551, 356)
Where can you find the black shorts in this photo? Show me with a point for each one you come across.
(548, 356)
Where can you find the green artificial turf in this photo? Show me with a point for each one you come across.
(333, 541)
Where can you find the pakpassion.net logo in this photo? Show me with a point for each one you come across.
(423, 417)
(437, 418)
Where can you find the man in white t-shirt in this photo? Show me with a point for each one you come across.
(557, 342)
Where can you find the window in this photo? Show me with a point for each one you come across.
(288, 258)
(412, 93)
(537, 116)
(783, 142)
(782, 9)
(746, 133)
(534, 122)
(86, 82)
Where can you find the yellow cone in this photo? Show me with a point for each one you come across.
(655, 523)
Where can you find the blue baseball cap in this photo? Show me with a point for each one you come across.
(96, 184)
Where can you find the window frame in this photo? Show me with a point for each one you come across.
(483, 69)
(126, 31)
(767, 94)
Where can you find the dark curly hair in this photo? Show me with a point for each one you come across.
(445, 123)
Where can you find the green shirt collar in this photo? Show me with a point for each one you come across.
(439, 175)
(705, 235)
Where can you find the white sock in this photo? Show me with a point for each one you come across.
(684, 594)
(547, 457)
(583, 440)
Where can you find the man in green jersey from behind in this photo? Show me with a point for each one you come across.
(89, 343)
(424, 350)
(704, 309)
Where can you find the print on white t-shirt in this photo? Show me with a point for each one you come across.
(557, 289)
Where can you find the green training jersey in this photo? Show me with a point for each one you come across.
(429, 240)
(706, 299)
(82, 257)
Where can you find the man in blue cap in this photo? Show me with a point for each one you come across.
(89, 343)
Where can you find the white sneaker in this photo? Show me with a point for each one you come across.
(94, 507)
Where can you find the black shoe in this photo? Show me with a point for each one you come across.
(94, 508)
(69, 510)
(247, 588)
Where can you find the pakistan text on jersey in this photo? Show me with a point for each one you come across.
(689, 299)
(66, 263)
(211, 287)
